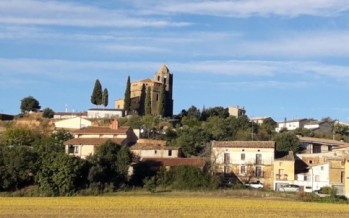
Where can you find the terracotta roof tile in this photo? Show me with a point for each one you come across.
(101, 130)
(92, 141)
(196, 162)
(243, 144)
(323, 141)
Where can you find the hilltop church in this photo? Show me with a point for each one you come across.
(138, 93)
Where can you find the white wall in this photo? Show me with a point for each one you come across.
(73, 123)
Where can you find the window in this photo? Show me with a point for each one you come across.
(342, 177)
(155, 151)
(259, 172)
(322, 168)
(158, 78)
(258, 158)
(157, 97)
(226, 158)
(242, 169)
(317, 178)
(310, 161)
(226, 170)
(73, 149)
(242, 156)
(305, 178)
(170, 153)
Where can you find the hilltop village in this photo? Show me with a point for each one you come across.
(140, 142)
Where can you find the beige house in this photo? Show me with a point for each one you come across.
(320, 145)
(346, 179)
(86, 140)
(148, 148)
(72, 123)
(244, 161)
(284, 170)
(236, 111)
(178, 161)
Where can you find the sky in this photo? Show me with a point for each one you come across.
(280, 59)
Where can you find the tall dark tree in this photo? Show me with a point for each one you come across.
(29, 104)
(127, 99)
(96, 97)
(148, 102)
(162, 101)
(105, 97)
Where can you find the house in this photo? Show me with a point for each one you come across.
(283, 171)
(65, 115)
(72, 123)
(99, 113)
(236, 111)
(346, 179)
(316, 177)
(291, 124)
(318, 127)
(244, 161)
(333, 161)
(320, 145)
(148, 148)
(259, 120)
(87, 139)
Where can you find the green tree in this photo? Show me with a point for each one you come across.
(18, 136)
(141, 108)
(127, 99)
(105, 97)
(109, 166)
(96, 97)
(18, 167)
(162, 101)
(29, 104)
(48, 113)
(287, 141)
(61, 174)
(148, 101)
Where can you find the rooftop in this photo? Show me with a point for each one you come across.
(92, 141)
(323, 141)
(243, 144)
(101, 130)
(196, 162)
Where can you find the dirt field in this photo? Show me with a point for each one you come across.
(164, 206)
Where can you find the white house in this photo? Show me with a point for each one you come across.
(291, 124)
(72, 123)
(104, 113)
(318, 176)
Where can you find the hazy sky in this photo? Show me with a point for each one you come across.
(275, 58)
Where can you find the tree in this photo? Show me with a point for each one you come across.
(141, 108)
(105, 97)
(162, 101)
(29, 104)
(48, 113)
(109, 166)
(96, 97)
(18, 167)
(18, 136)
(127, 99)
(287, 141)
(61, 174)
(148, 102)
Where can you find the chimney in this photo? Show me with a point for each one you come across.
(114, 124)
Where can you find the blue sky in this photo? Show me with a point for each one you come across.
(275, 58)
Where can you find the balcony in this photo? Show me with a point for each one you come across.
(281, 176)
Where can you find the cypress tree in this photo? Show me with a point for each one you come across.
(148, 101)
(96, 97)
(105, 97)
(127, 99)
(141, 108)
(162, 101)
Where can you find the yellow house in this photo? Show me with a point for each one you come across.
(346, 179)
(284, 170)
(149, 148)
(86, 140)
(244, 161)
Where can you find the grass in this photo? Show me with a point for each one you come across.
(165, 205)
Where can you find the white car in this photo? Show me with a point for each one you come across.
(254, 185)
(289, 188)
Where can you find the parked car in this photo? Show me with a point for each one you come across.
(289, 188)
(323, 192)
(254, 185)
(308, 189)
